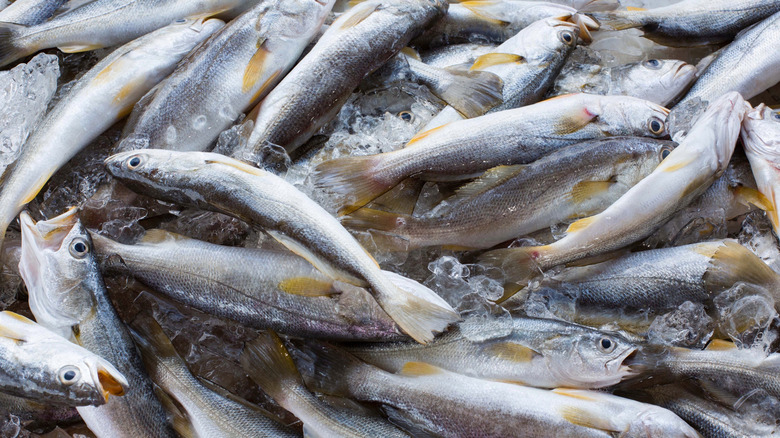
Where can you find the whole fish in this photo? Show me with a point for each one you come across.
(494, 21)
(455, 54)
(467, 148)
(684, 175)
(512, 201)
(67, 296)
(658, 80)
(692, 22)
(46, 367)
(745, 66)
(210, 413)
(426, 399)
(103, 23)
(30, 12)
(104, 95)
(761, 140)
(357, 43)
(269, 364)
(214, 182)
(264, 289)
(225, 76)
(544, 353)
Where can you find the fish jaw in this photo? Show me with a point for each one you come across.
(108, 379)
(761, 139)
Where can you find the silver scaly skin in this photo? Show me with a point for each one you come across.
(265, 289)
(38, 364)
(104, 95)
(214, 182)
(357, 43)
(544, 353)
(225, 76)
(455, 54)
(103, 23)
(30, 12)
(761, 139)
(67, 296)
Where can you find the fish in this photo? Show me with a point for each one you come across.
(270, 365)
(40, 413)
(455, 54)
(212, 413)
(103, 96)
(660, 81)
(761, 140)
(691, 22)
(213, 182)
(494, 21)
(466, 148)
(427, 400)
(68, 296)
(544, 353)
(260, 288)
(233, 70)
(103, 23)
(744, 66)
(45, 367)
(357, 43)
(511, 201)
(30, 12)
(685, 174)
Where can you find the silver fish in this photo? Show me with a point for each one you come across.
(67, 296)
(455, 54)
(104, 95)
(761, 140)
(30, 12)
(211, 182)
(225, 76)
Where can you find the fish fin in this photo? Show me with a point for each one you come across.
(254, 69)
(77, 48)
(414, 425)
(402, 198)
(18, 317)
(181, 424)
(354, 178)
(585, 24)
(677, 164)
(318, 262)
(491, 59)
(213, 387)
(415, 288)
(10, 51)
(581, 224)
(418, 369)
(355, 18)
(586, 190)
(732, 262)
(9, 333)
(573, 122)
(370, 219)
(615, 20)
(584, 418)
(477, 8)
(472, 93)
(157, 350)
(573, 394)
(329, 368)
(513, 352)
(424, 134)
(307, 287)
(157, 235)
(635, 9)
(35, 188)
(236, 164)
(489, 180)
(410, 52)
(747, 196)
(519, 264)
(269, 364)
(716, 393)
(721, 345)
(272, 80)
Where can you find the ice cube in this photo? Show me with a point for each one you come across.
(687, 326)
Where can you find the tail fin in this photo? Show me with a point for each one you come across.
(519, 264)
(353, 178)
(419, 311)
(10, 49)
(472, 93)
(392, 237)
(616, 20)
(329, 369)
(269, 364)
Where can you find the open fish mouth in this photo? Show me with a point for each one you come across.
(108, 379)
(48, 234)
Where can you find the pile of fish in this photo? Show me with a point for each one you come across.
(389, 218)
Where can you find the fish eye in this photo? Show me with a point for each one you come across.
(652, 64)
(566, 36)
(607, 345)
(406, 116)
(133, 162)
(776, 116)
(656, 126)
(69, 375)
(79, 248)
(665, 153)
(181, 20)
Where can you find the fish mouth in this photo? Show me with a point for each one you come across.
(684, 71)
(48, 234)
(625, 369)
(109, 380)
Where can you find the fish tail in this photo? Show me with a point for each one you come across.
(417, 310)
(519, 264)
(355, 178)
(329, 369)
(269, 364)
(472, 93)
(618, 20)
(10, 48)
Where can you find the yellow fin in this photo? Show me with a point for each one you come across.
(239, 165)
(575, 121)
(476, 7)
(580, 224)
(254, 69)
(424, 134)
(307, 286)
(585, 190)
(746, 196)
(18, 317)
(410, 52)
(419, 369)
(582, 417)
(635, 9)
(159, 236)
(491, 59)
(6, 332)
(36, 188)
(732, 262)
(721, 345)
(272, 80)
(127, 89)
(513, 352)
(358, 16)
(75, 48)
(671, 166)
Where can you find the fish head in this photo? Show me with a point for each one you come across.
(590, 359)
(59, 271)
(625, 115)
(295, 18)
(543, 40)
(659, 80)
(761, 139)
